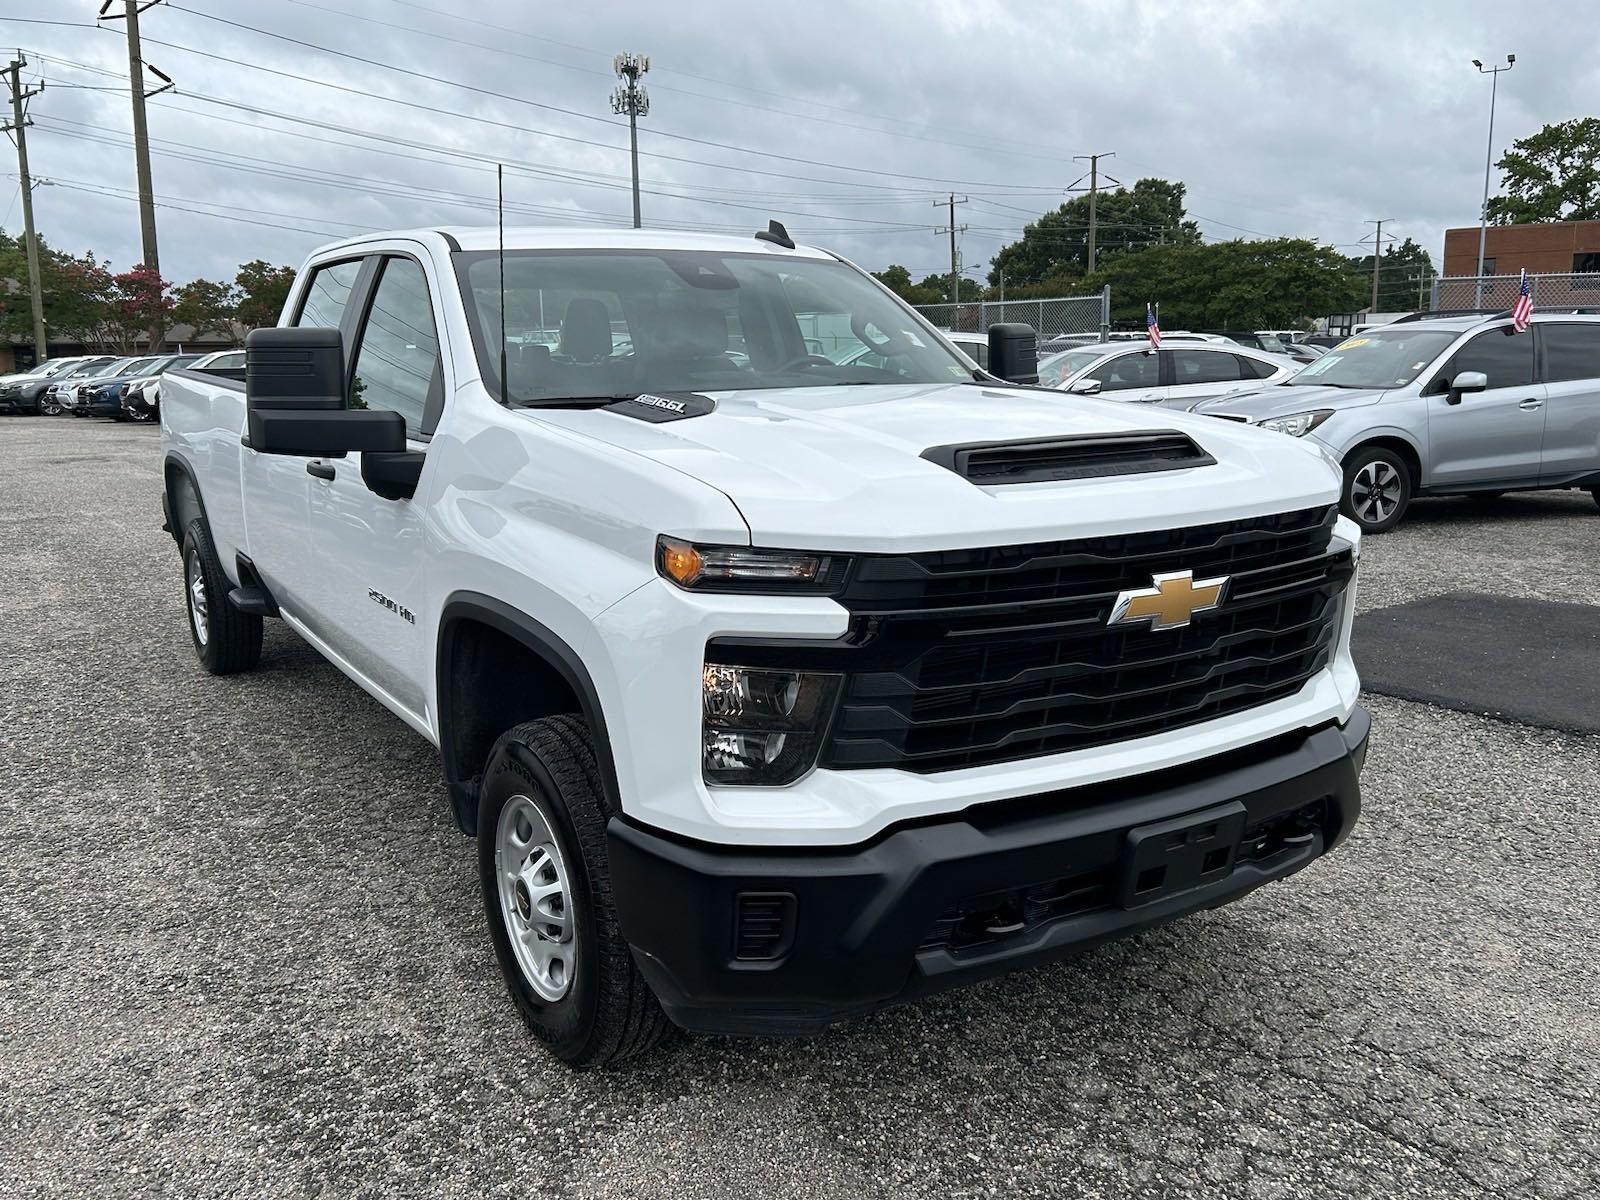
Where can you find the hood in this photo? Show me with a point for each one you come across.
(843, 468)
(1280, 401)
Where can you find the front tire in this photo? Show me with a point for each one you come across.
(49, 408)
(1377, 489)
(546, 883)
(226, 641)
(1595, 492)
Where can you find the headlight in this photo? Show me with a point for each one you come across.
(762, 727)
(745, 569)
(1299, 424)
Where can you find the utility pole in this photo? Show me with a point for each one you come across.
(1094, 192)
(952, 229)
(141, 134)
(1377, 256)
(1488, 160)
(19, 127)
(631, 98)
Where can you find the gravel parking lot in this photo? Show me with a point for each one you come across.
(241, 949)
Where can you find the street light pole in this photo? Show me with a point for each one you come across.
(1488, 161)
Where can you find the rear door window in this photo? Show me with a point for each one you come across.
(1571, 351)
(328, 294)
(1127, 371)
(1204, 366)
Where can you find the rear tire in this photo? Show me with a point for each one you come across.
(1377, 489)
(226, 641)
(546, 882)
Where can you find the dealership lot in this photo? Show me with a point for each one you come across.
(241, 950)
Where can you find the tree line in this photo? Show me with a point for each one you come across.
(1148, 249)
(87, 302)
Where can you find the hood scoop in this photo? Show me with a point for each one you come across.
(1086, 456)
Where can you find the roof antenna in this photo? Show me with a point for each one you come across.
(500, 229)
(776, 234)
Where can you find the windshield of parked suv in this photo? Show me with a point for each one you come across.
(597, 324)
(1379, 358)
(1058, 368)
(86, 369)
(1271, 343)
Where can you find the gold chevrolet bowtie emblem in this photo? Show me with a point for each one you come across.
(1171, 603)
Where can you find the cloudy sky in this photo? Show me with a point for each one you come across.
(325, 118)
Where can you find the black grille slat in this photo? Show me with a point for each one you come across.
(974, 657)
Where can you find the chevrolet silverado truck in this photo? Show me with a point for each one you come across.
(777, 682)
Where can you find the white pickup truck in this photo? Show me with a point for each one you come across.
(775, 685)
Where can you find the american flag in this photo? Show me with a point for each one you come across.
(1522, 310)
(1152, 326)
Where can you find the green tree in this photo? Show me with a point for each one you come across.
(1552, 175)
(1268, 284)
(206, 306)
(78, 297)
(1149, 213)
(1403, 276)
(935, 289)
(898, 280)
(263, 288)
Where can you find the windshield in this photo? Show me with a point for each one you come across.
(105, 369)
(85, 369)
(598, 324)
(1377, 359)
(1272, 343)
(1058, 368)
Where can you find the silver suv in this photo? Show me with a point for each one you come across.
(1448, 406)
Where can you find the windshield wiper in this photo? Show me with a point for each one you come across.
(574, 401)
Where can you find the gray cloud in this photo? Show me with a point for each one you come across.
(1281, 119)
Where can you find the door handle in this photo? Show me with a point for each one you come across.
(321, 470)
(1531, 404)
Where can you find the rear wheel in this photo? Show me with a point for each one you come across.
(226, 640)
(545, 875)
(1377, 489)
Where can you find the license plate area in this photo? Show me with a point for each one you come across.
(1169, 857)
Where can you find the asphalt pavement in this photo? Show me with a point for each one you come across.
(242, 953)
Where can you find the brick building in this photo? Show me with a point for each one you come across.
(1552, 248)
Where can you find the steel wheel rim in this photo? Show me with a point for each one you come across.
(1375, 491)
(535, 899)
(199, 612)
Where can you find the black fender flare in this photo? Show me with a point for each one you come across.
(173, 520)
(461, 778)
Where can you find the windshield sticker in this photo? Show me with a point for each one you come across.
(1352, 343)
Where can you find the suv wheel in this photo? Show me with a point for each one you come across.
(48, 407)
(1595, 492)
(1377, 489)
(225, 640)
(547, 894)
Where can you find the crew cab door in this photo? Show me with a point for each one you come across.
(367, 550)
(1492, 436)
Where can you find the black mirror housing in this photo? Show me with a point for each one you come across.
(294, 384)
(1014, 352)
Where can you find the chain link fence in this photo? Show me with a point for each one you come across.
(1500, 291)
(1085, 317)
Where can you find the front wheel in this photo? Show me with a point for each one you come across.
(1377, 489)
(1595, 492)
(546, 882)
(49, 408)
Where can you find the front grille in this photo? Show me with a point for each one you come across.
(964, 658)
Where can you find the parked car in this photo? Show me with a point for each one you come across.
(77, 394)
(100, 395)
(772, 690)
(24, 391)
(139, 398)
(1452, 406)
(1176, 377)
(1259, 339)
(1304, 352)
(53, 396)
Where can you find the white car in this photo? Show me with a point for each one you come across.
(774, 689)
(1177, 376)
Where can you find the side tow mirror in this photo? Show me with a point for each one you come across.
(1466, 381)
(1085, 387)
(294, 383)
(1014, 352)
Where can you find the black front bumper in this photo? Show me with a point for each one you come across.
(932, 905)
